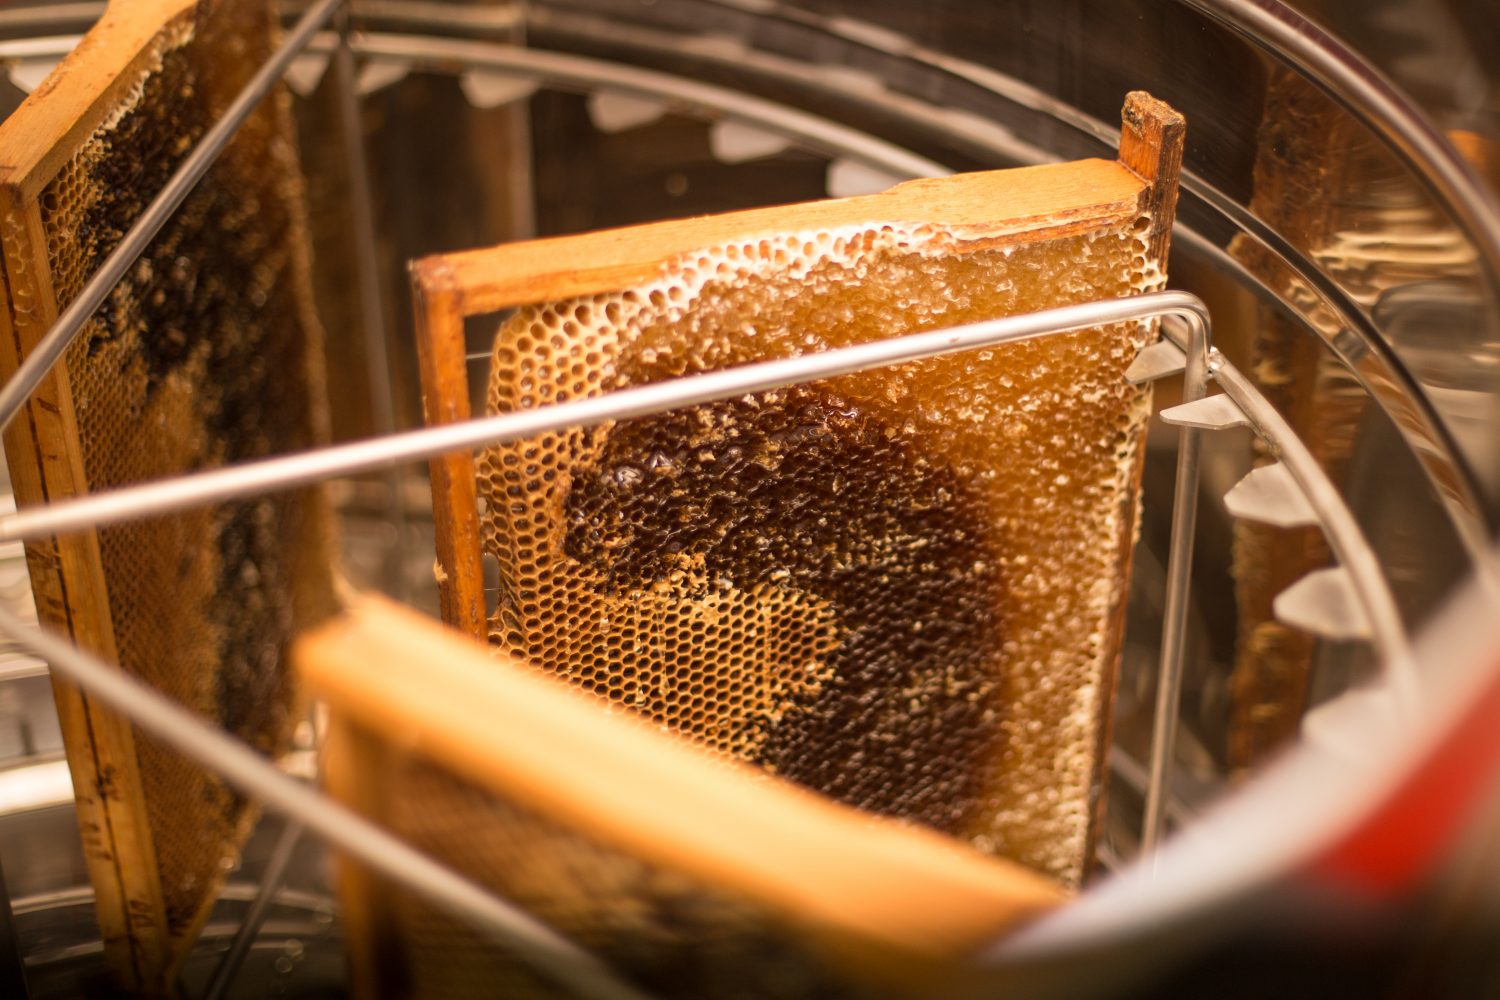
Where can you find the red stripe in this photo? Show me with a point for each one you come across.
(1406, 835)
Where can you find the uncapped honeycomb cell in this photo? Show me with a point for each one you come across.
(900, 587)
(206, 353)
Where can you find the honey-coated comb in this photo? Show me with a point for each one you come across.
(904, 588)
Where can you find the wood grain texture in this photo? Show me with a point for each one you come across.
(68, 586)
(866, 886)
(1151, 145)
(445, 400)
(86, 86)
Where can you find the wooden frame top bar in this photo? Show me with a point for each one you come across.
(999, 207)
(84, 88)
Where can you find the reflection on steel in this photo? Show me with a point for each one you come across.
(255, 916)
(371, 302)
(257, 777)
(1349, 545)
(62, 333)
(1389, 382)
(304, 468)
(1289, 37)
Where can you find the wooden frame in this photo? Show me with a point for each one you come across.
(880, 899)
(1013, 210)
(93, 88)
(1010, 207)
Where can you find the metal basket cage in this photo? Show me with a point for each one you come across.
(1354, 600)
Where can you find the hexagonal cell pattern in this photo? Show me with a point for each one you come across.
(902, 588)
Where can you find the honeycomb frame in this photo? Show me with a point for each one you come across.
(200, 604)
(663, 272)
(886, 906)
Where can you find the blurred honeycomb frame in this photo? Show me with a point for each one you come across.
(419, 713)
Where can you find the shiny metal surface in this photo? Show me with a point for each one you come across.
(371, 311)
(1174, 621)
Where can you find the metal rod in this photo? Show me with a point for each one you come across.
(255, 916)
(62, 333)
(255, 478)
(1348, 542)
(1179, 578)
(258, 778)
(372, 303)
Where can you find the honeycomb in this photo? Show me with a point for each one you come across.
(900, 588)
(206, 353)
(664, 931)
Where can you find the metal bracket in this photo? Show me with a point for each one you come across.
(1271, 495)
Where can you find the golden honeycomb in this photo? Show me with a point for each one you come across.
(206, 353)
(901, 588)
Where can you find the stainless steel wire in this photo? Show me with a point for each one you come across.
(259, 778)
(249, 479)
(270, 884)
(371, 301)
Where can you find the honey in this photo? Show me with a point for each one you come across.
(901, 587)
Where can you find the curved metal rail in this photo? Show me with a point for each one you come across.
(1372, 362)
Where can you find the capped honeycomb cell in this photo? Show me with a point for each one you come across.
(895, 587)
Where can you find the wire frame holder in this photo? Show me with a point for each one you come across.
(258, 777)
(1179, 578)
